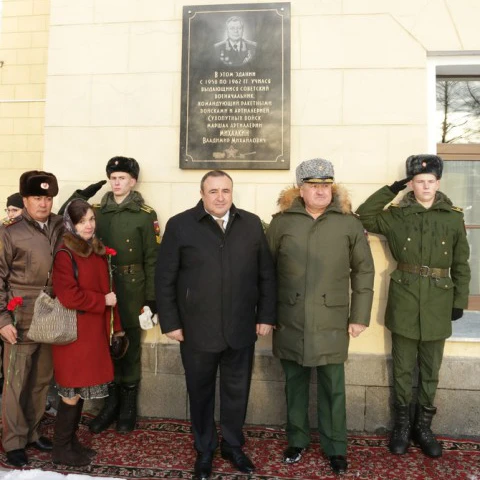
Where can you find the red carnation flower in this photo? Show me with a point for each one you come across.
(110, 251)
(14, 303)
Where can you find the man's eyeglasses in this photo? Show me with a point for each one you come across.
(12, 210)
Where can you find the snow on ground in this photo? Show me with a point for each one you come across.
(42, 475)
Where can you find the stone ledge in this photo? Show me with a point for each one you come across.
(369, 392)
(461, 373)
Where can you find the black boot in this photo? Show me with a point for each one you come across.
(400, 437)
(90, 452)
(66, 424)
(128, 408)
(421, 433)
(109, 413)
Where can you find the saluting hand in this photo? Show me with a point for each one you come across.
(355, 329)
(399, 185)
(92, 189)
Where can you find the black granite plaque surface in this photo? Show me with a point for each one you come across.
(235, 111)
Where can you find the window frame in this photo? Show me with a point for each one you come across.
(451, 152)
(459, 64)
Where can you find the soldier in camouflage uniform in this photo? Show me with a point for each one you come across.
(127, 225)
(428, 289)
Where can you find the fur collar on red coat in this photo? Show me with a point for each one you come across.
(340, 198)
(81, 247)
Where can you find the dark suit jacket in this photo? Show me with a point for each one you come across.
(215, 286)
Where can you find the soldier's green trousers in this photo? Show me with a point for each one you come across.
(128, 369)
(331, 408)
(406, 354)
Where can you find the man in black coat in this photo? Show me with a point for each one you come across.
(215, 289)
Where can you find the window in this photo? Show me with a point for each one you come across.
(457, 135)
(461, 182)
(458, 109)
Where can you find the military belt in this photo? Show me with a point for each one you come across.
(128, 269)
(423, 270)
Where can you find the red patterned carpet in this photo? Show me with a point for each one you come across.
(163, 449)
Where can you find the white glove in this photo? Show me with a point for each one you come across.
(147, 320)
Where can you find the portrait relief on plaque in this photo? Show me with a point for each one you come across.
(235, 50)
(235, 110)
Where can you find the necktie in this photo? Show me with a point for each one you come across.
(235, 47)
(220, 224)
(45, 229)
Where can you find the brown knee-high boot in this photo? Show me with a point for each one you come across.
(75, 441)
(65, 427)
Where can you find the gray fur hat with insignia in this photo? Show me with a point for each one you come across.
(424, 163)
(316, 170)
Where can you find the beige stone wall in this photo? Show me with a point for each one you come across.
(23, 75)
(359, 98)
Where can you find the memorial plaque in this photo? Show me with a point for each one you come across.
(235, 111)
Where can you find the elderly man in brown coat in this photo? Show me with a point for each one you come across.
(27, 244)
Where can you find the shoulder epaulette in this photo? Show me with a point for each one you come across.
(146, 208)
(96, 205)
(394, 205)
(457, 209)
(12, 221)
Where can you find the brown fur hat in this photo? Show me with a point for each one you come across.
(37, 183)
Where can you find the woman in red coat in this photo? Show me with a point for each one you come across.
(84, 367)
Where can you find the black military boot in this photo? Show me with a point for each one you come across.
(400, 437)
(109, 412)
(421, 433)
(128, 408)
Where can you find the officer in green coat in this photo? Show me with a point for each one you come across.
(428, 289)
(130, 227)
(325, 290)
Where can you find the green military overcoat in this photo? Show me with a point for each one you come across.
(324, 276)
(131, 228)
(420, 307)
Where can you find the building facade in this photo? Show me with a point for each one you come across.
(83, 81)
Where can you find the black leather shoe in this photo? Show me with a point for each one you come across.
(43, 444)
(239, 460)
(203, 465)
(293, 454)
(17, 458)
(338, 464)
